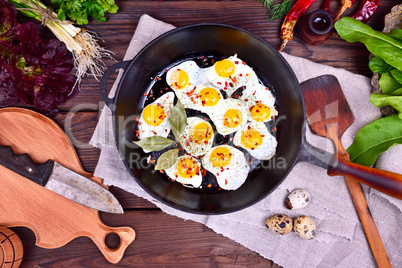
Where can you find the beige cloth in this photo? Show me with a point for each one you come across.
(340, 240)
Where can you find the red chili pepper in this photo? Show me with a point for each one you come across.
(345, 5)
(366, 10)
(325, 7)
(292, 17)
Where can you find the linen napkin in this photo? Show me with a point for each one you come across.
(340, 240)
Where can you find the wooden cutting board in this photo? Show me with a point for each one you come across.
(54, 219)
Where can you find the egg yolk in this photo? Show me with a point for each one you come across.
(202, 132)
(209, 96)
(154, 114)
(232, 118)
(260, 112)
(225, 68)
(220, 157)
(251, 138)
(187, 167)
(179, 79)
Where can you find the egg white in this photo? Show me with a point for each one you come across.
(145, 130)
(191, 147)
(218, 116)
(244, 75)
(269, 143)
(254, 94)
(195, 77)
(233, 175)
(194, 181)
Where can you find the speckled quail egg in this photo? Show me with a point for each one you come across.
(280, 224)
(297, 199)
(304, 226)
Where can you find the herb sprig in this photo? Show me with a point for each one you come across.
(80, 10)
(276, 11)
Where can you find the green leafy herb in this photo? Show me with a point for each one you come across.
(178, 119)
(167, 159)
(388, 83)
(379, 43)
(80, 10)
(378, 65)
(276, 11)
(154, 143)
(397, 75)
(378, 136)
(374, 139)
(380, 100)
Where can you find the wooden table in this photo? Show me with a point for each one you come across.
(164, 240)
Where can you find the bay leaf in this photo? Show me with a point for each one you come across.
(374, 139)
(154, 143)
(167, 159)
(178, 119)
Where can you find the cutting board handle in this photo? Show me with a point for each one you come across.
(113, 255)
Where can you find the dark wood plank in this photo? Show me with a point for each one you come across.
(249, 15)
(161, 240)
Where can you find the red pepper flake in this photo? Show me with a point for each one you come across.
(236, 96)
(219, 83)
(226, 182)
(154, 132)
(231, 84)
(161, 171)
(145, 94)
(137, 119)
(209, 185)
(244, 63)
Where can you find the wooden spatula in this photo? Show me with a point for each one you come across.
(324, 97)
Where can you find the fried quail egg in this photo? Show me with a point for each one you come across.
(257, 140)
(229, 117)
(231, 73)
(228, 164)
(205, 99)
(154, 120)
(260, 103)
(186, 171)
(197, 137)
(183, 77)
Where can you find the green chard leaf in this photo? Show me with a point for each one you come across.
(178, 119)
(397, 75)
(380, 44)
(396, 33)
(378, 65)
(388, 83)
(380, 100)
(154, 143)
(167, 159)
(374, 139)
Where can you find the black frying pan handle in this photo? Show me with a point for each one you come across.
(102, 86)
(311, 154)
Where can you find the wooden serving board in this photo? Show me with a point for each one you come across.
(54, 219)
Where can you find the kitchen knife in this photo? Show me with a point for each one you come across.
(61, 180)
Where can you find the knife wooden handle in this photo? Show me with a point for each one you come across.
(25, 166)
(384, 181)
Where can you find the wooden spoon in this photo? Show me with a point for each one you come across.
(323, 95)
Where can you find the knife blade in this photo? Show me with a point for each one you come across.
(61, 180)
